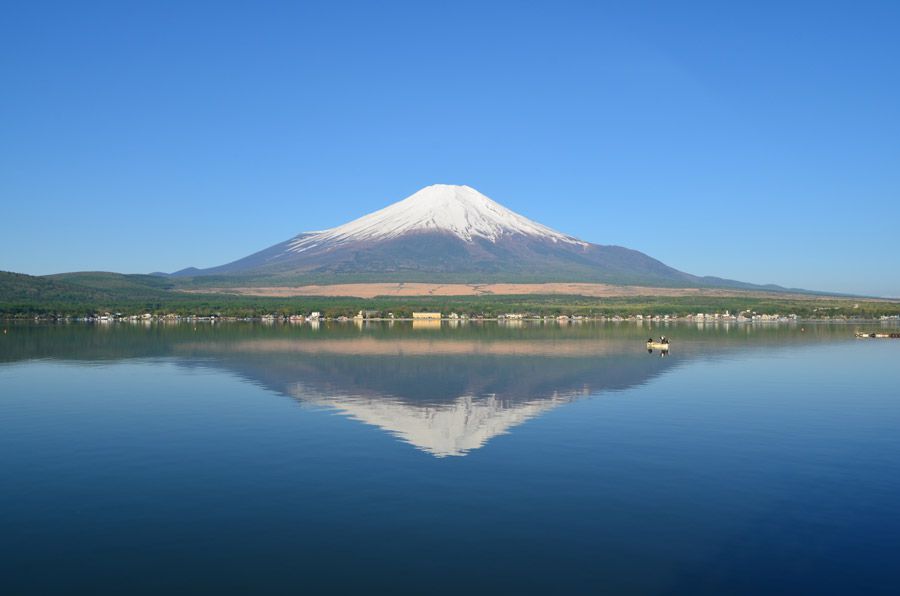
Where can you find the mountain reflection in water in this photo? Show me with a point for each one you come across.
(444, 391)
(227, 458)
(444, 397)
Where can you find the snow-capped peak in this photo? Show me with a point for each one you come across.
(458, 210)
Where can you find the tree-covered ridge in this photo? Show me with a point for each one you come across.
(82, 294)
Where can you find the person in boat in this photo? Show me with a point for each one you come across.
(663, 340)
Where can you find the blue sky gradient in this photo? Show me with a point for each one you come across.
(757, 141)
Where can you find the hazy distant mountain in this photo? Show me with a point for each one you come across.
(450, 233)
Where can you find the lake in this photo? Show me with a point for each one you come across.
(475, 458)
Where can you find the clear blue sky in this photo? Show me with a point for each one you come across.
(758, 141)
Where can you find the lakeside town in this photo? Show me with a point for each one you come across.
(316, 317)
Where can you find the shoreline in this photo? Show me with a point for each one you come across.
(300, 320)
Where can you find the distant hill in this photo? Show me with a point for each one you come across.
(114, 282)
(23, 293)
(18, 287)
(446, 233)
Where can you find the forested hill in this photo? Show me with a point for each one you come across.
(75, 289)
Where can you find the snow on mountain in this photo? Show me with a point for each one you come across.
(449, 233)
(458, 210)
(453, 429)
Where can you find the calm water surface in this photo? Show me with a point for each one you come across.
(474, 459)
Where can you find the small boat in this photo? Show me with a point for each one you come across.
(657, 345)
(862, 335)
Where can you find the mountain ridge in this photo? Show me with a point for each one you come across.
(448, 233)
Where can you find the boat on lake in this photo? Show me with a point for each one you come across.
(658, 345)
(861, 335)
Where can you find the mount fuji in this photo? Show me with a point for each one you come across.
(449, 233)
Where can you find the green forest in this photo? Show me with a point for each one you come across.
(76, 295)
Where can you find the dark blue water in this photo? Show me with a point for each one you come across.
(244, 459)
